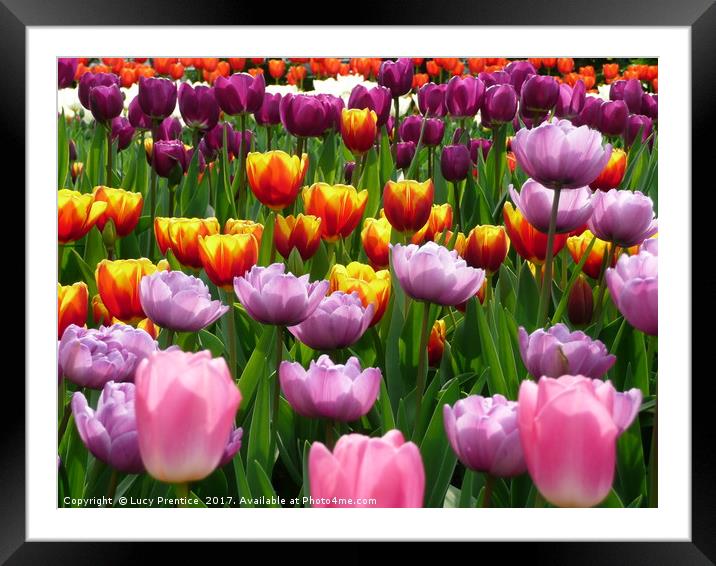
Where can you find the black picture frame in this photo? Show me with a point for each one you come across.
(699, 15)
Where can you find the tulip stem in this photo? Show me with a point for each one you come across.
(330, 437)
(242, 169)
(396, 122)
(170, 337)
(544, 298)
(487, 494)
(299, 146)
(456, 198)
(654, 460)
(277, 383)
(65, 420)
(430, 162)
(112, 488)
(60, 257)
(422, 361)
(231, 335)
(172, 193)
(152, 212)
(269, 132)
(182, 492)
(499, 138)
(606, 262)
(109, 156)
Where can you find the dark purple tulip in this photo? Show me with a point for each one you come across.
(397, 76)
(170, 159)
(455, 162)
(650, 105)
(91, 80)
(432, 135)
(479, 144)
(539, 94)
(190, 156)
(106, 102)
(235, 142)
(304, 115)
(405, 154)
(616, 90)
(390, 124)
(334, 108)
(66, 69)
(499, 105)
(73, 150)
(570, 100)
(589, 116)
(633, 95)
(167, 129)
(463, 96)
(519, 71)
(157, 97)
(208, 154)
(529, 121)
(496, 78)
(240, 93)
(612, 117)
(123, 132)
(348, 171)
(269, 114)
(431, 99)
(377, 99)
(213, 140)
(137, 117)
(634, 123)
(198, 106)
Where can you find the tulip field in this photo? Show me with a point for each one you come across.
(357, 282)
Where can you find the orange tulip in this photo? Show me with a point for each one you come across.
(436, 343)
(277, 67)
(71, 306)
(476, 65)
(613, 172)
(181, 235)
(549, 62)
(358, 129)
(127, 77)
(536, 62)
(275, 177)
(340, 208)
(440, 219)
(528, 242)
(565, 65)
(408, 204)
(77, 213)
(256, 71)
(373, 287)
(577, 245)
(225, 256)
(486, 247)
(376, 239)
(123, 208)
(118, 286)
(256, 229)
(610, 70)
(419, 79)
(447, 241)
(331, 66)
(432, 68)
(302, 232)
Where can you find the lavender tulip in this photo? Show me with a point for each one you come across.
(339, 321)
(435, 274)
(170, 159)
(463, 96)
(179, 302)
(396, 76)
(122, 132)
(557, 351)
(570, 101)
(66, 69)
(484, 435)
(455, 162)
(137, 117)
(240, 93)
(431, 99)
(376, 98)
(106, 102)
(632, 95)
(304, 115)
(332, 391)
(590, 113)
(405, 154)
(110, 432)
(519, 72)
(167, 129)
(637, 123)
(271, 296)
(539, 95)
(92, 357)
(91, 80)
(479, 145)
(499, 105)
(625, 218)
(232, 447)
(269, 113)
(612, 117)
(534, 201)
(157, 97)
(432, 134)
(198, 106)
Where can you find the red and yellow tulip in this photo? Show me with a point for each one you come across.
(77, 213)
(486, 247)
(256, 229)
(358, 129)
(577, 245)
(408, 204)
(118, 286)
(123, 208)
(376, 240)
(440, 219)
(528, 242)
(340, 208)
(302, 232)
(275, 177)
(613, 172)
(71, 306)
(225, 256)
(181, 235)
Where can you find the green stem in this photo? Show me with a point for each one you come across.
(152, 212)
(499, 146)
(544, 298)
(654, 461)
(456, 198)
(489, 485)
(330, 437)
(396, 125)
(242, 170)
(606, 262)
(109, 155)
(230, 299)
(378, 344)
(170, 337)
(269, 132)
(539, 500)
(67, 412)
(277, 383)
(112, 488)
(299, 146)
(430, 162)
(172, 195)
(422, 360)
(60, 257)
(272, 221)
(182, 492)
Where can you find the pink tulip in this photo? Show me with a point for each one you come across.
(569, 428)
(388, 470)
(185, 405)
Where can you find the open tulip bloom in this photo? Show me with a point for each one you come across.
(373, 282)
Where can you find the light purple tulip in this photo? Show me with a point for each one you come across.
(634, 287)
(484, 435)
(557, 154)
(232, 447)
(332, 391)
(534, 201)
(433, 273)
(339, 321)
(625, 406)
(271, 296)
(557, 352)
(179, 302)
(623, 217)
(110, 432)
(91, 357)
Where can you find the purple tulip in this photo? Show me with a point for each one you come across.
(499, 105)
(241, 93)
(632, 95)
(612, 117)
(170, 159)
(616, 90)
(240, 142)
(539, 95)
(519, 72)
(110, 432)
(650, 105)
(157, 97)
(198, 106)
(432, 134)
(167, 129)
(495, 78)
(331, 391)
(529, 121)
(570, 101)
(557, 154)
(66, 69)
(396, 76)
(339, 321)
(214, 138)
(455, 162)
(269, 113)
(479, 144)
(431, 99)
(348, 169)
(377, 99)
(232, 447)
(334, 108)
(534, 201)
(178, 302)
(72, 150)
(137, 117)
(625, 218)
(557, 352)
(91, 80)
(106, 102)
(637, 123)
(92, 357)
(590, 113)
(305, 115)
(435, 274)
(122, 132)
(405, 154)
(464, 95)
(271, 296)
(634, 287)
(484, 434)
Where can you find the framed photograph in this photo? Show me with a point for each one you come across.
(413, 284)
